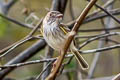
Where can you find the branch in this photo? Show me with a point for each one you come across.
(25, 55)
(102, 78)
(107, 23)
(27, 63)
(15, 21)
(31, 62)
(95, 60)
(101, 49)
(96, 30)
(117, 77)
(101, 15)
(46, 67)
(49, 52)
(18, 43)
(98, 37)
(8, 49)
(117, 20)
(104, 6)
(6, 6)
(97, 16)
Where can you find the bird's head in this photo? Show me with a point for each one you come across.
(53, 17)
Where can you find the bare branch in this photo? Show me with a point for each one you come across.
(27, 63)
(95, 59)
(8, 49)
(101, 49)
(27, 38)
(117, 20)
(38, 77)
(15, 21)
(48, 54)
(28, 53)
(117, 77)
(98, 37)
(94, 17)
(96, 30)
(6, 6)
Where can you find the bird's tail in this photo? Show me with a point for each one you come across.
(84, 65)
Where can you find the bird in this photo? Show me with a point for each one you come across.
(56, 33)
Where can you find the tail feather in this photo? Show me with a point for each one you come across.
(80, 59)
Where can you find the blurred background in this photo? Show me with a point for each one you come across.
(108, 63)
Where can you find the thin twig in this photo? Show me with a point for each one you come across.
(117, 20)
(35, 28)
(95, 17)
(88, 36)
(113, 41)
(102, 15)
(28, 37)
(106, 24)
(38, 77)
(95, 60)
(117, 77)
(96, 30)
(5, 7)
(16, 45)
(104, 6)
(49, 52)
(101, 49)
(98, 37)
(27, 63)
(32, 62)
(23, 56)
(15, 21)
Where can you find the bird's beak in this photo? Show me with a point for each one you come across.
(59, 15)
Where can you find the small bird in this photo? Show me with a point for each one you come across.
(55, 34)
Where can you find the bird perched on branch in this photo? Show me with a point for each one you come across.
(55, 34)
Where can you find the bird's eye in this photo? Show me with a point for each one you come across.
(50, 14)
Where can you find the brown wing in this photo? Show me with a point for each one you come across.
(64, 28)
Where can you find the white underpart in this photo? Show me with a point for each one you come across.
(56, 41)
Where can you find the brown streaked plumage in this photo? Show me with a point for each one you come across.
(55, 35)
